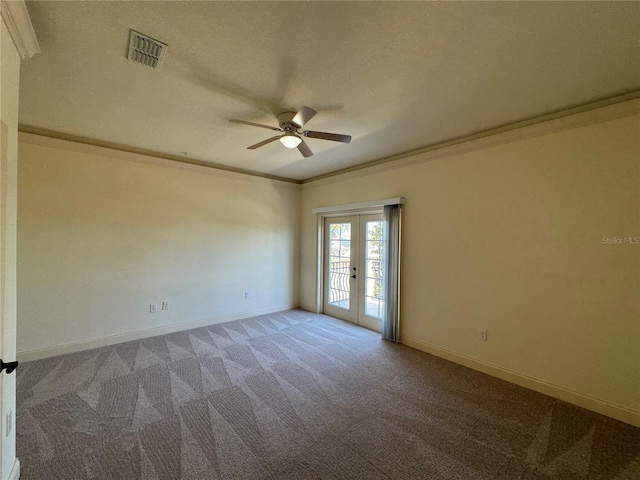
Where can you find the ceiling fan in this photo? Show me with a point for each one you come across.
(291, 124)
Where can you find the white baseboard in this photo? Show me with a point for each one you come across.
(37, 354)
(15, 471)
(590, 403)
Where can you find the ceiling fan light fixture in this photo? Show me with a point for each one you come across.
(290, 140)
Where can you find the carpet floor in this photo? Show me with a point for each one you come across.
(296, 395)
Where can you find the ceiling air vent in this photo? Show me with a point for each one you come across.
(146, 50)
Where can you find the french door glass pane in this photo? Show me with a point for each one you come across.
(374, 304)
(339, 264)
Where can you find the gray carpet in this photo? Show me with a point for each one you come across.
(297, 396)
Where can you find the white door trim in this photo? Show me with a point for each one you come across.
(15, 471)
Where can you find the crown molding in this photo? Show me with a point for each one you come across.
(587, 114)
(45, 138)
(16, 18)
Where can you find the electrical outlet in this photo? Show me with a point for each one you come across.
(153, 308)
(165, 305)
(482, 334)
(246, 295)
(8, 423)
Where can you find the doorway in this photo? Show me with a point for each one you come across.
(353, 275)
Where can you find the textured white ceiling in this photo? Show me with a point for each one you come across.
(396, 76)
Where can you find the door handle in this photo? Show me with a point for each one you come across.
(353, 276)
(9, 366)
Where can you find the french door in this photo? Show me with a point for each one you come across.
(353, 276)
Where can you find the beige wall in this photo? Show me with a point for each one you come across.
(9, 79)
(100, 238)
(505, 237)
(509, 238)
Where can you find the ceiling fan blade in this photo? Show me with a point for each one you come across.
(244, 122)
(304, 149)
(335, 137)
(264, 142)
(303, 116)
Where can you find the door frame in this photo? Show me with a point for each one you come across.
(360, 208)
(16, 22)
(320, 245)
(357, 311)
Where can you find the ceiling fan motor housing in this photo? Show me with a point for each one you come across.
(285, 119)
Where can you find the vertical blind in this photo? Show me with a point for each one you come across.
(391, 250)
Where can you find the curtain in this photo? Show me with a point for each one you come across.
(391, 269)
